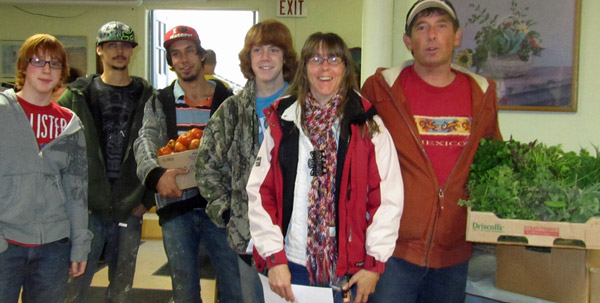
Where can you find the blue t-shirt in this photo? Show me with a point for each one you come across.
(261, 104)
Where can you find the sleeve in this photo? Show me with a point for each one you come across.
(367, 90)
(75, 186)
(145, 147)
(387, 202)
(262, 207)
(494, 128)
(66, 99)
(213, 170)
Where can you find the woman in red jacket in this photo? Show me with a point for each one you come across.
(323, 196)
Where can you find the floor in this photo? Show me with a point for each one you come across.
(151, 257)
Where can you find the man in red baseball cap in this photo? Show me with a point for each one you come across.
(187, 103)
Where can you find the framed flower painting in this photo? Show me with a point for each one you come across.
(9, 50)
(529, 47)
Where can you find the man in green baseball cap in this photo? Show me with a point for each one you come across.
(116, 31)
(110, 106)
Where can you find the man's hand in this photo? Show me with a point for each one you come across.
(166, 186)
(366, 281)
(280, 281)
(77, 269)
(139, 210)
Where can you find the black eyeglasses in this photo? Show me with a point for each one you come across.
(39, 62)
(318, 60)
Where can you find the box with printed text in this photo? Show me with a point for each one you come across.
(488, 228)
(184, 160)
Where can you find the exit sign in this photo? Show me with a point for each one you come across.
(291, 8)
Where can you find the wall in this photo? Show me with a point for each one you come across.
(573, 130)
(20, 21)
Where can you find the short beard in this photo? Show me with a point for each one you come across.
(119, 68)
(190, 78)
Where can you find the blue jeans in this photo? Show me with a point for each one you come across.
(406, 282)
(252, 291)
(182, 236)
(41, 271)
(120, 254)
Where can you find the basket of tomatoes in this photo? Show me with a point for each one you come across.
(189, 140)
(181, 153)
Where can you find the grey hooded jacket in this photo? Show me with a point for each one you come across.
(43, 193)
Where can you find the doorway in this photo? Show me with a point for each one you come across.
(223, 31)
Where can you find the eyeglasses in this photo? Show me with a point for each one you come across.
(39, 62)
(318, 60)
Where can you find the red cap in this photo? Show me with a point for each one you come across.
(181, 32)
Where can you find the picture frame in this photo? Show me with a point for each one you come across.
(9, 51)
(535, 62)
(76, 48)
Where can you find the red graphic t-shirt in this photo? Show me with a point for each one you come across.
(47, 122)
(442, 116)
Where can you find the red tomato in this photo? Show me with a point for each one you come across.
(179, 147)
(185, 139)
(196, 133)
(194, 144)
(171, 143)
(165, 150)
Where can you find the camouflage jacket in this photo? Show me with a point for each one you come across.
(225, 158)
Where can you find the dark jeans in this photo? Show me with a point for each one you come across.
(41, 271)
(182, 236)
(120, 254)
(252, 291)
(406, 282)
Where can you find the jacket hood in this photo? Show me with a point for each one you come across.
(391, 74)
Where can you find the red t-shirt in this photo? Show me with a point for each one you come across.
(47, 121)
(442, 116)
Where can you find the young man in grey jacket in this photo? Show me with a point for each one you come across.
(43, 180)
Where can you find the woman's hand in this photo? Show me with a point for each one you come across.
(366, 281)
(280, 281)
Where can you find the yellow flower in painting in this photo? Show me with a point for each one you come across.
(464, 58)
(522, 27)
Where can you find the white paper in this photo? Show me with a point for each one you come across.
(302, 293)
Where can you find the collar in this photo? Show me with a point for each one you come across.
(178, 91)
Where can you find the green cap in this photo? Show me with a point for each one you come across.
(116, 31)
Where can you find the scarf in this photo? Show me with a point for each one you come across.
(321, 241)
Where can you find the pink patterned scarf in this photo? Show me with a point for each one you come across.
(321, 241)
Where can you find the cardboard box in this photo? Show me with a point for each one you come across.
(488, 228)
(555, 274)
(183, 160)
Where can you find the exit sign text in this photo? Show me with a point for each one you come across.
(291, 8)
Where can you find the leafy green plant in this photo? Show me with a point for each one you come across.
(501, 36)
(534, 182)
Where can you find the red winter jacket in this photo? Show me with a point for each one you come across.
(369, 191)
(433, 226)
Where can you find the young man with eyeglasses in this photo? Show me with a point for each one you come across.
(436, 113)
(43, 180)
(187, 103)
(111, 108)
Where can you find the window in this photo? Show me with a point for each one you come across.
(221, 31)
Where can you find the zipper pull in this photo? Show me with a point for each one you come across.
(441, 194)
